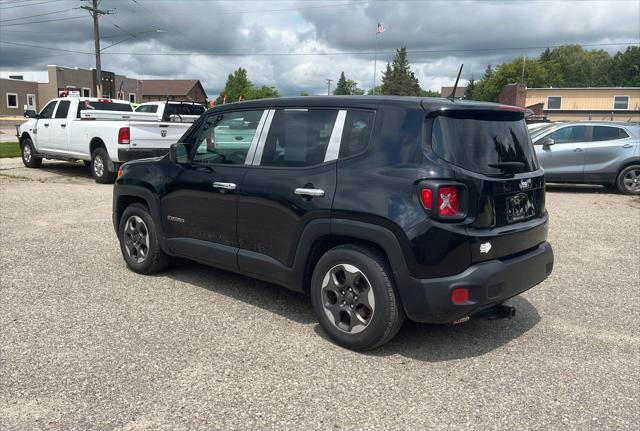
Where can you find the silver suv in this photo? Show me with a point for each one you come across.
(601, 152)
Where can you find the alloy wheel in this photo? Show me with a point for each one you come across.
(26, 153)
(347, 298)
(98, 166)
(631, 181)
(136, 239)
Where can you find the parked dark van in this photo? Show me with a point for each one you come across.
(376, 207)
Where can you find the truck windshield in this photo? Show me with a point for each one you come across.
(488, 142)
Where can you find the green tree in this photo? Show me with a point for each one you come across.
(263, 92)
(304, 93)
(398, 79)
(429, 93)
(347, 86)
(471, 86)
(238, 87)
(625, 68)
(375, 90)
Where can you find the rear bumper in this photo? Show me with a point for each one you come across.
(127, 154)
(489, 283)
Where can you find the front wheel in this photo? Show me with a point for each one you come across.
(100, 167)
(29, 158)
(354, 297)
(629, 180)
(139, 242)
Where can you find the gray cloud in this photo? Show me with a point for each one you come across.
(202, 29)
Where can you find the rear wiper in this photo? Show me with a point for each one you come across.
(508, 166)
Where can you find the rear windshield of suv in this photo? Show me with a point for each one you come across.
(477, 140)
(183, 109)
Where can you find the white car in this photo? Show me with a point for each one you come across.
(103, 133)
(187, 112)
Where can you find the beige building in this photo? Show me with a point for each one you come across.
(577, 104)
(17, 95)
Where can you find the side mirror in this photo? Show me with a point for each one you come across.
(30, 113)
(179, 153)
(547, 142)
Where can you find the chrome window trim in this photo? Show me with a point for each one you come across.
(333, 149)
(256, 137)
(257, 157)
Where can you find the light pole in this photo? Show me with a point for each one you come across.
(328, 86)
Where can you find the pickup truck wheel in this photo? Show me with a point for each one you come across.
(29, 159)
(354, 297)
(100, 167)
(629, 180)
(139, 241)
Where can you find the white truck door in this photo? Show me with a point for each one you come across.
(58, 128)
(43, 127)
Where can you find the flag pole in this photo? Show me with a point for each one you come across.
(375, 61)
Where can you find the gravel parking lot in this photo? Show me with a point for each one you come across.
(86, 344)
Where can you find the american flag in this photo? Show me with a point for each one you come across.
(380, 28)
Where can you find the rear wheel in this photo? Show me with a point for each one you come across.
(139, 241)
(29, 158)
(629, 180)
(354, 297)
(100, 167)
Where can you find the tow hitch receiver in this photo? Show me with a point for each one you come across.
(500, 311)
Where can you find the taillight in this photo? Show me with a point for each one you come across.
(460, 295)
(124, 136)
(448, 201)
(444, 200)
(426, 196)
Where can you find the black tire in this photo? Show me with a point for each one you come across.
(387, 315)
(628, 181)
(28, 152)
(154, 260)
(99, 167)
(86, 163)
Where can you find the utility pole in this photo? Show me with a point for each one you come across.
(328, 86)
(95, 13)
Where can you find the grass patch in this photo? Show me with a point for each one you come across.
(9, 149)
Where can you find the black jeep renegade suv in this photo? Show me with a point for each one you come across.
(377, 207)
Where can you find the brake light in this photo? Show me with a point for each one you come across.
(448, 201)
(460, 295)
(119, 172)
(105, 100)
(124, 136)
(426, 196)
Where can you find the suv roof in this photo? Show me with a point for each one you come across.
(427, 103)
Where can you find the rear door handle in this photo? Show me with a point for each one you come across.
(309, 192)
(224, 186)
(578, 150)
(63, 125)
(627, 146)
(46, 125)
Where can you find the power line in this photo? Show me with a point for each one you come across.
(28, 4)
(278, 54)
(45, 20)
(40, 14)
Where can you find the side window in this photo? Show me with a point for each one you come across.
(357, 131)
(298, 137)
(554, 102)
(225, 138)
(568, 135)
(605, 133)
(47, 111)
(63, 109)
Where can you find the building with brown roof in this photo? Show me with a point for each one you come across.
(446, 92)
(173, 89)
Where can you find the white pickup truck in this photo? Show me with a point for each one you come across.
(104, 133)
(173, 110)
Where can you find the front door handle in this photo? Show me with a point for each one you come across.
(578, 150)
(224, 186)
(63, 125)
(309, 192)
(627, 146)
(46, 125)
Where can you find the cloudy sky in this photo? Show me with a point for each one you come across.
(296, 45)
